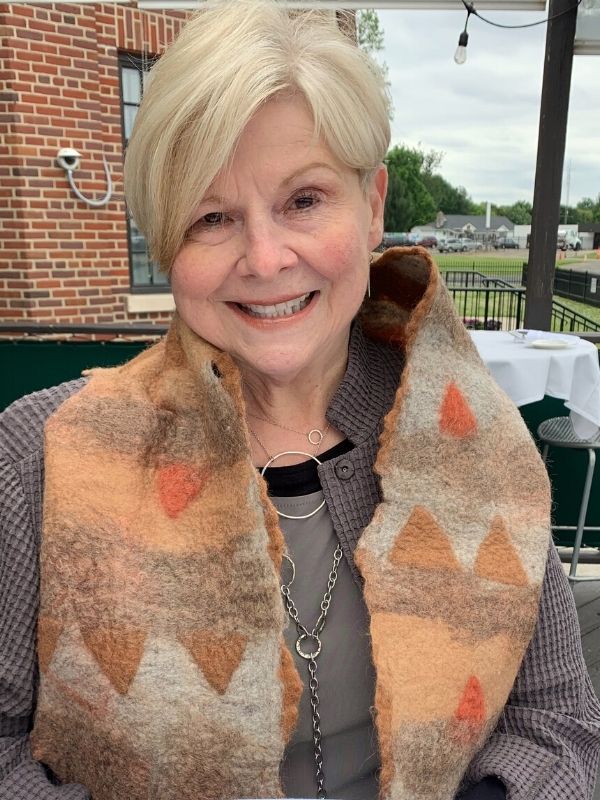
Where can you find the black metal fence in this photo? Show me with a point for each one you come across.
(490, 308)
(565, 319)
(491, 304)
(582, 286)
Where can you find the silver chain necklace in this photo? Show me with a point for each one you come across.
(314, 637)
(290, 453)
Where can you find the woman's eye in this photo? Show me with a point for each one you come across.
(304, 201)
(212, 219)
(210, 223)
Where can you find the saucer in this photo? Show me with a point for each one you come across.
(550, 344)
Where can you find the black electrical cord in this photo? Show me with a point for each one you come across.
(472, 10)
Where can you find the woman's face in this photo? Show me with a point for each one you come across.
(275, 266)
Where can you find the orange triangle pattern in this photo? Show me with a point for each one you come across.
(217, 656)
(178, 485)
(456, 417)
(422, 543)
(118, 652)
(49, 631)
(469, 717)
(497, 559)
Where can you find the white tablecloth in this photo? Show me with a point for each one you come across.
(527, 374)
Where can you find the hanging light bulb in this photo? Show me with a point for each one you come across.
(460, 56)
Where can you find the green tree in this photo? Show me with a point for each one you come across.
(588, 210)
(479, 209)
(370, 38)
(409, 202)
(417, 191)
(519, 212)
(447, 198)
(369, 33)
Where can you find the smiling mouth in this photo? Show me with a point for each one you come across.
(287, 309)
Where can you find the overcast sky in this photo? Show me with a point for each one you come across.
(484, 115)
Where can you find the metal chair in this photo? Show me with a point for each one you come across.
(558, 432)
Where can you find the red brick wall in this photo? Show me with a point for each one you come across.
(61, 260)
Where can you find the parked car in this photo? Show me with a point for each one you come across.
(452, 246)
(395, 240)
(471, 244)
(427, 241)
(506, 244)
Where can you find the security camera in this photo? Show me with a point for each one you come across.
(68, 158)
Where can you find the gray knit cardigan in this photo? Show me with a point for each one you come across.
(547, 742)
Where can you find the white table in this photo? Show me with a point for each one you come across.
(527, 374)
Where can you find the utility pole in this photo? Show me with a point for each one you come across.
(554, 110)
(568, 195)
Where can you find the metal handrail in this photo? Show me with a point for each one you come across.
(565, 318)
(564, 313)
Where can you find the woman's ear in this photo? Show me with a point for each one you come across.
(376, 193)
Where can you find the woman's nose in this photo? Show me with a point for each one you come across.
(267, 250)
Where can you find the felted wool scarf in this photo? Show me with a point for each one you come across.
(164, 673)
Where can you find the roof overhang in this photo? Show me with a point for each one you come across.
(421, 5)
(415, 5)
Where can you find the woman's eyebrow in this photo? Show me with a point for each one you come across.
(212, 198)
(221, 201)
(308, 168)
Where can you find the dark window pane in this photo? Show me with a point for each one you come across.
(141, 269)
(134, 71)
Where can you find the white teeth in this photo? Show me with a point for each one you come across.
(279, 309)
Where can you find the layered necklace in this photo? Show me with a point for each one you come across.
(308, 643)
(315, 437)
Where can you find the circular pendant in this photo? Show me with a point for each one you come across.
(315, 436)
(300, 651)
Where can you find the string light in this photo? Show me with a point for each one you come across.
(460, 56)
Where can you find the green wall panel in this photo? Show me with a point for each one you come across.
(27, 366)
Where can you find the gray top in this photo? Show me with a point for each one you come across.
(344, 667)
(547, 742)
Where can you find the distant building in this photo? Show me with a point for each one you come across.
(446, 226)
(590, 232)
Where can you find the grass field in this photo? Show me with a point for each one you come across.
(481, 262)
(468, 259)
(474, 261)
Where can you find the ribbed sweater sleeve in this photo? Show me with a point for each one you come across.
(546, 744)
(21, 466)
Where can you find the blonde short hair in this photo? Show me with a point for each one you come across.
(228, 60)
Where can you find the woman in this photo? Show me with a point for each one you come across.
(431, 646)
